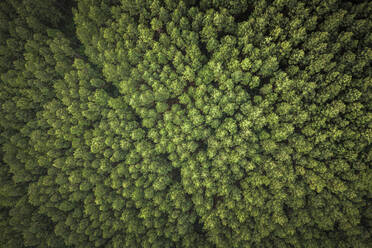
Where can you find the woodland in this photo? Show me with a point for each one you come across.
(196, 124)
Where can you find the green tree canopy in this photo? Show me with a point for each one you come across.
(148, 123)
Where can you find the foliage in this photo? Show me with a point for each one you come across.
(139, 123)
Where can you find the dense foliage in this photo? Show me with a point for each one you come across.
(212, 123)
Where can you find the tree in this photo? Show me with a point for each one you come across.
(185, 123)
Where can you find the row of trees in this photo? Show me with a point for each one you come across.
(185, 123)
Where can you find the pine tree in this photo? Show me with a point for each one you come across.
(185, 123)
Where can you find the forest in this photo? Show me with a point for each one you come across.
(185, 123)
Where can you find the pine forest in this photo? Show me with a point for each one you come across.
(185, 123)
